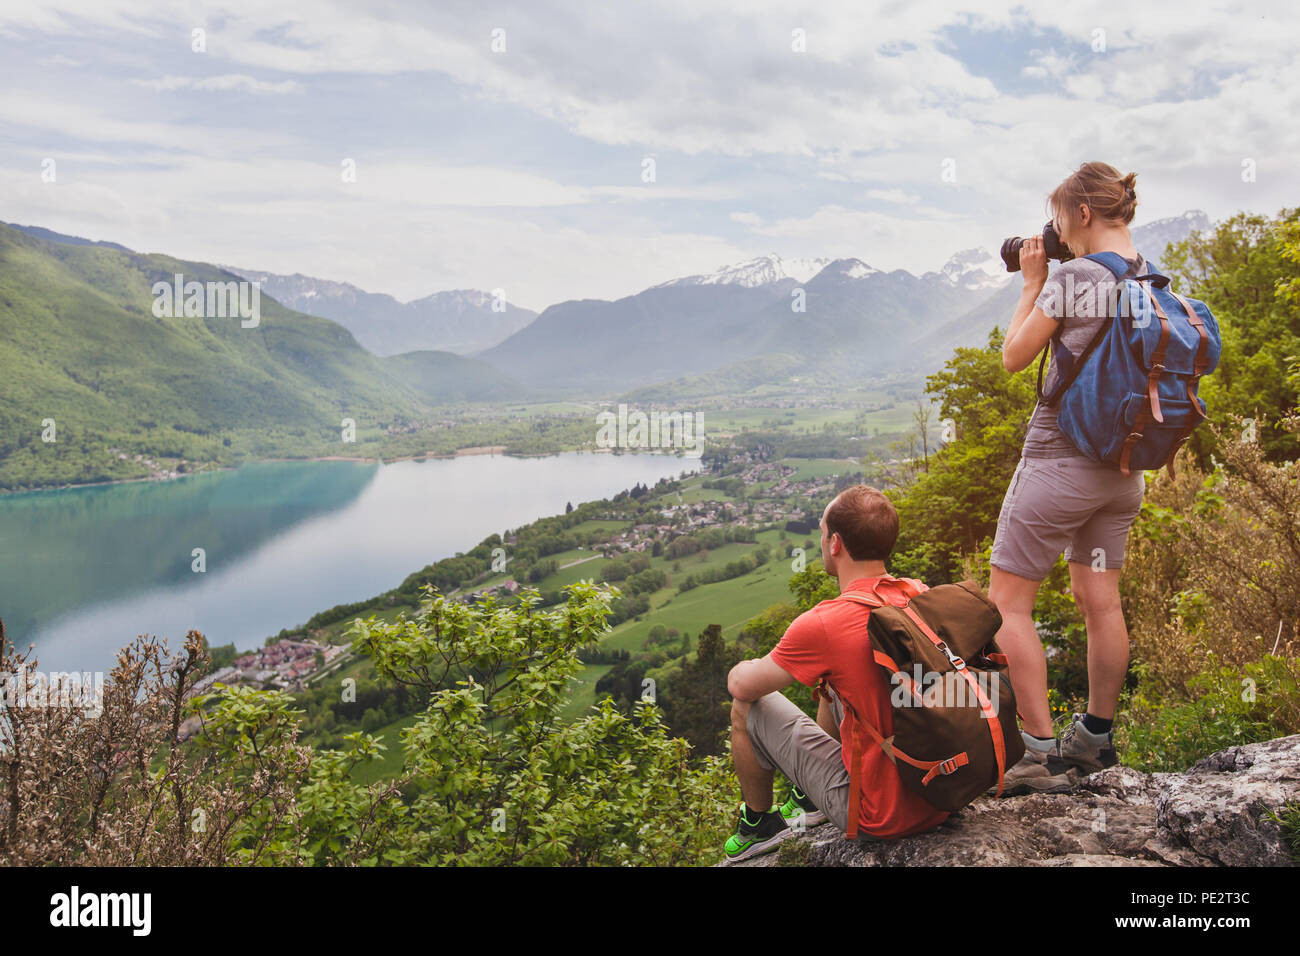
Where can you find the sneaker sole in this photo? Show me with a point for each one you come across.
(1088, 770)
(758, 849)
(806, 820)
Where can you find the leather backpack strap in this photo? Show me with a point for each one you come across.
(1198, 369)
(1152, 407)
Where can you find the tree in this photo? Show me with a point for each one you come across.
(952, 507)
(492, 774)
(1248, 272)
(505, 779)
(696, 699)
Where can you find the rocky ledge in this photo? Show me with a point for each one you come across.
(1215, 814)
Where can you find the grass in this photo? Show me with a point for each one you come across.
(1289, 819)
(390, 764)
(727, 603)
(806, 468)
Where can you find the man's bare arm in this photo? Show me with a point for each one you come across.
(752, 679)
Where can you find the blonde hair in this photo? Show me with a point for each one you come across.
(1110, 195)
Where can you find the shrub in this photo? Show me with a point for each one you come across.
(1212, 564)
(1226, 707)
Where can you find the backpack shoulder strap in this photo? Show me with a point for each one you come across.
(1122, 269)
(1113, 261)
(872, 598)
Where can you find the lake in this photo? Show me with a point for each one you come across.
(84, 570)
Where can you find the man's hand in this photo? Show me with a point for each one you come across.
(752, 679)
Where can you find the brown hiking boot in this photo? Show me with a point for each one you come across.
(1037, 772)
(1085, 751)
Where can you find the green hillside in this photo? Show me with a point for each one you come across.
(79, 344)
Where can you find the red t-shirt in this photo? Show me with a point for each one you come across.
(830, 641)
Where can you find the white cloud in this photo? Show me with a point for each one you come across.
(224, 83)
(893, 196)
(784, 145)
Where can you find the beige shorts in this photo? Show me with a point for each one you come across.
(784, 736)
(1075, 505)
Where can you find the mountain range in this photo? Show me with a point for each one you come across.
(841, 315)
(461, 320)
(70, 305)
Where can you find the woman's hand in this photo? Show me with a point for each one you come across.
(1033, 262)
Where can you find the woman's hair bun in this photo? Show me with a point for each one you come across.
(1111, 195)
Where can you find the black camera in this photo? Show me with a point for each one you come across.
(1052, 245)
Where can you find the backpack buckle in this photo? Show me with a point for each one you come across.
(948, 766)
(953, 659)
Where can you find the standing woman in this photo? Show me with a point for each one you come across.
(1059, 500)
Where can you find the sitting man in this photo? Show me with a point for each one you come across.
(825, 645)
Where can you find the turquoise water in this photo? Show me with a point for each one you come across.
(84, 570)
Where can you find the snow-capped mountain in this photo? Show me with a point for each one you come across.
(755, 272)
(976, 268)
(847, 269)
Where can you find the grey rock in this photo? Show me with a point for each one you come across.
(1216, 813)
(1220, 807)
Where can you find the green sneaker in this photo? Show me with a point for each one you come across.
(799, 812)
(756, 834)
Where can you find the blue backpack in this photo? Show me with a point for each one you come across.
(1133, 403)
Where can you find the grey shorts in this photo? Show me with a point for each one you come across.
(1075, 505)
(784, 736)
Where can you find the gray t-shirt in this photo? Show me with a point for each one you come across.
(1081, 295)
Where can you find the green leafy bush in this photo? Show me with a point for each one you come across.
(1227, 707)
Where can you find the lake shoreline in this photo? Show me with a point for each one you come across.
(86, 571)
(359, 459)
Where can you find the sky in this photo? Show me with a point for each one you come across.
(577, 150)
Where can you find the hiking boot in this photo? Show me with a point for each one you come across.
(799, 812)
(1085, 751)
(1037, 771)
(756, 834)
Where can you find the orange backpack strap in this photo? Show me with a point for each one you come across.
(995, 728)
(863, 732)
(858, 745)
